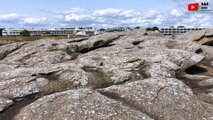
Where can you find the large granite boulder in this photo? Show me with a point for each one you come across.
(162, 99)
(83, 104)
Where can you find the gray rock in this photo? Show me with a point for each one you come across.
(206, 97)
(42, 52)
(205, 41)
(21, 82)
(204, 50)
(80, 104)
(160, 61)
(159, 42)
(195, 78)
(187, 46)
(135, 73)
(9, 48)
(5, 103)
(209, 33)
(97, 41)
(206, 83)
(192, 35)
(162, 99)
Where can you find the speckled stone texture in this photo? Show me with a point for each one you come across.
(131, 75)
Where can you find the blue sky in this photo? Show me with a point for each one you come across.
(100, 13)
(29, 6)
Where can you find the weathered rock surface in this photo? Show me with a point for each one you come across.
(209, 33)
(135, 74)
(162, 99)
(80, 104)
(192, 35)
(41, 52)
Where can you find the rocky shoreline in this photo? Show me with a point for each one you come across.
(133, 75)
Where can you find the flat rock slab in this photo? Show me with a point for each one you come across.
(192, 35)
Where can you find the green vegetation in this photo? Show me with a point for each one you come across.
(137, 27)
(102, 30)
(1, 32)
(48, 33)
(152, 29)
(25, 33)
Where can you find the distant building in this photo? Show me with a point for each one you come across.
(12, 32)
(90, 32)
(85, 31)
(176, 31)
(56, 31)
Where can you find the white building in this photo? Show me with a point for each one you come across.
(86, 31)
(176, 31)
(12, 32)
(57, 31)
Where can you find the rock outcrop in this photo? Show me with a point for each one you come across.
(128, 75)
(79, 104)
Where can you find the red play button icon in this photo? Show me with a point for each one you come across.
(193, 7)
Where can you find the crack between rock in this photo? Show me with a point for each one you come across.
(137, 42)
(10, 112)
(26, 57)
(80, 40)
(133, 61)
(19, 103)
(158, 92)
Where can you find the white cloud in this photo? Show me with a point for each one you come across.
(10, 16)
(159, 20)
(34, 20)
(180, 16)
(112, 12)
(72, 11)
(75, 17)
(107, 12)
(199, 20)
(112, 17)
(177, 12)
(150, 14)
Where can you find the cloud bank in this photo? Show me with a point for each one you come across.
(111, 17)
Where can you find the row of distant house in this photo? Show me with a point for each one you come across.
(177, 30)
(60, 31)
(56, 31)
(88, 31)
